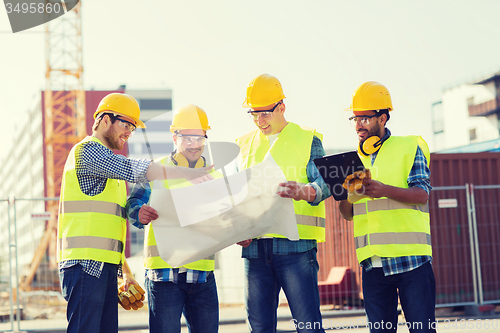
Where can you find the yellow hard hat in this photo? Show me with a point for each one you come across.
(262, 91)
(189, 117)
(121, 104)
(370, 96)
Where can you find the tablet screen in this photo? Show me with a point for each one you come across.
(334, 169)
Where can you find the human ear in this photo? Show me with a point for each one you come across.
(383, 117)
(282, 107)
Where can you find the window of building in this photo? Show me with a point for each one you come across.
(437, 117)
(156, 104)
(472, 134)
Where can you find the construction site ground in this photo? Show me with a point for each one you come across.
(233, 320)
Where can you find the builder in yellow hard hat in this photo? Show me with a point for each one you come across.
(189, 289)
(391, 220)
(92, 218)
(272, 262)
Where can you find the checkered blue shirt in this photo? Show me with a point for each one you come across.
(419, 176)
(172, 274)
(139, 196)
(283, 246)
(95, 163)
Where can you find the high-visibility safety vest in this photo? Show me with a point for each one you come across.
(291, 151)
(385, 227)
(91, 227)
(152, 259)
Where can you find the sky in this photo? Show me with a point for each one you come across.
(208, 51)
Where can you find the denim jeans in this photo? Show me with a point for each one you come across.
(197, 301)
(92, 302)
(297, 274)
(417, 293)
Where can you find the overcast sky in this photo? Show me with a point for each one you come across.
(321, 50)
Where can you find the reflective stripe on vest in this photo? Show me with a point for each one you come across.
(291, 151)
(310, 220)
(103, 207)
(385, 204)
(91, 242)
(393, 238)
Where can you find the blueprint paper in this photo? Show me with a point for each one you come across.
(197, 221)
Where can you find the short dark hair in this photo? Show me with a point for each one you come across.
(384, 111)
(100, 116)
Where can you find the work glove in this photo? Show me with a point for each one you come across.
(353, 183)
(132, 298)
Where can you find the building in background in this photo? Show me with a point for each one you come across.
(153, 142)
(24, 177)
(22, 174)
(467, 118)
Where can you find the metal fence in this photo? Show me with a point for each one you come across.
(8, 305)
(465, 243)
(452, 246)
(485, 201)
(20, 239)
(465, 228)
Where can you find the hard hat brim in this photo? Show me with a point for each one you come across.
(138, 123)
(176, 128)
(245, 104)
(362, 110)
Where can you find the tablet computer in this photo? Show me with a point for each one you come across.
(334, 169)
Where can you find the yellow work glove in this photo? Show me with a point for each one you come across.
(353, 183)
(131, 299)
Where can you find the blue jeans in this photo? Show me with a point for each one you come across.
(297, 274)
(417, 293)
(92, 302)
(168, 301)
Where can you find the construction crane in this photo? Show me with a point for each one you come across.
(64, 104)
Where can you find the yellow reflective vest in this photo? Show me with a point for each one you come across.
(91, 227)
(385, 227)
(291, 151)
(152, 259)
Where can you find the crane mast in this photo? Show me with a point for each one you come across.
(64, 117)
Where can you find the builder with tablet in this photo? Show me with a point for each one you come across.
(391, 221)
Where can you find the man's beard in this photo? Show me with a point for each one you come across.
(112, 139)
(375, 131)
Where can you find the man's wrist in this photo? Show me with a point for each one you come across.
(314, 194)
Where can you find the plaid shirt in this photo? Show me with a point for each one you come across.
(139, 196)
(95, 163)
(419, 176)
(283, 246)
